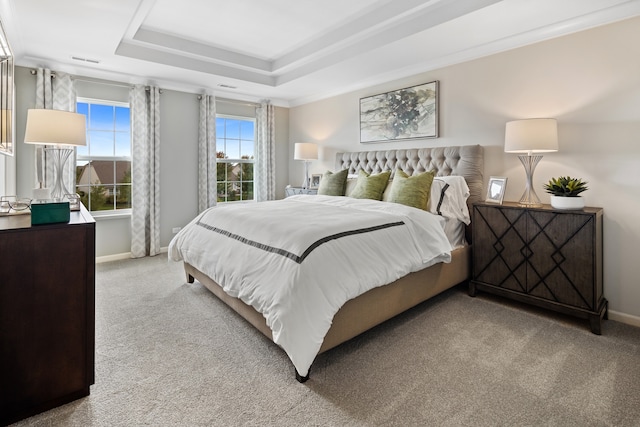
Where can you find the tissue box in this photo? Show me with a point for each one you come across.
(49, 212)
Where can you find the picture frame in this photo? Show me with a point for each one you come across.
(315, 181)
(495, 189)
(408, 113)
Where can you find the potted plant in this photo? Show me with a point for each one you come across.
(565, 192)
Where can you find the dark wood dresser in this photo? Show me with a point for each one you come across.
(546, 257)
(47, 313)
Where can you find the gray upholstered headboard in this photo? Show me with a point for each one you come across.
(463, 160)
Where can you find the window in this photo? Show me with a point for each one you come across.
(235, 138)
(103, 166)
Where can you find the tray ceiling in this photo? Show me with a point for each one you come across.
(292, 52)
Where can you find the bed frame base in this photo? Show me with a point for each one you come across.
(369, 309)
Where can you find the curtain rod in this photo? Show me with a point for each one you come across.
(234, 101)
(53, 76)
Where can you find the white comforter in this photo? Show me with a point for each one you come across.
(298, 260)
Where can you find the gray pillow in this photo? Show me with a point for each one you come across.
(370, 186)
(333, 184)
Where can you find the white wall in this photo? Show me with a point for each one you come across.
(589, 81)
(178, 156)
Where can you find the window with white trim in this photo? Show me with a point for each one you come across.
(235, 143)
(103, 166)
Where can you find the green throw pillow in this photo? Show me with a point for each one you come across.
(333, 184)
(370, 186)
(411, 190)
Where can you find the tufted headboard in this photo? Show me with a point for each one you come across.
(463, 160)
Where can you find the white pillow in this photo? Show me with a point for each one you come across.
(448, 198)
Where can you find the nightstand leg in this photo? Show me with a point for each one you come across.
(595, 323)
(472, 289)
(595, 320)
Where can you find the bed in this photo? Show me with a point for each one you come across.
(373, 306)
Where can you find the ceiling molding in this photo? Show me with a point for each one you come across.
(375, 42)
(386, 24)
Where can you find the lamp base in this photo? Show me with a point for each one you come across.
(60, 156)
(529, 198)
(305, 183)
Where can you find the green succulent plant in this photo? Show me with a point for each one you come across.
(565, 186)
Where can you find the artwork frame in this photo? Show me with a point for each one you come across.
(408, 113)
(495, 189)
(315, 181)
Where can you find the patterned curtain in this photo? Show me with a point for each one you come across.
(145, 165)
(55, 90)
(265, 162)
(207, 172)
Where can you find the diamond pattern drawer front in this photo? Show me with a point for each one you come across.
(550, 258)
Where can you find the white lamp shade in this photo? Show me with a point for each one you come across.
(531, 136)
(305, 151)
(55, 127)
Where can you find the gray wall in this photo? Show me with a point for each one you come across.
(589, 81)
(178, 156)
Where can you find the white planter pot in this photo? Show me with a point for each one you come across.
(559, 202)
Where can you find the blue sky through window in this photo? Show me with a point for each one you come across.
(235, 137)
(108, 130)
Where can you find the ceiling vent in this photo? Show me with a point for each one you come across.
(92, 61)
(227, 86)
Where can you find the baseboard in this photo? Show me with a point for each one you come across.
(125, 255)
(624, 318)
(115, 257)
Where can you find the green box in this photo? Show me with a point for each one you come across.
(49, 212)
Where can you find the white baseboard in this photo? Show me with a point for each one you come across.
(119, 257)
(624, 318)
(116, 257)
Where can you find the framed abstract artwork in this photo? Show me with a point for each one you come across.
(407, 113)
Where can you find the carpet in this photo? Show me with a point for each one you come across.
(171, 354)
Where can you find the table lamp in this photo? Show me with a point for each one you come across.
(530, 137)
(305, 151)
(62, 130)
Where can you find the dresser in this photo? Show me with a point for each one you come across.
(542, 256)
(47, 313)
(291, 191)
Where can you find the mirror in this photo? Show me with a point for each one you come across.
(6, 95)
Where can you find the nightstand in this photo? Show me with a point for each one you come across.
(47, 313)
(542, 256)
(292, 191)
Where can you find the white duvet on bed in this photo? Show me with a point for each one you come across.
(298, 260)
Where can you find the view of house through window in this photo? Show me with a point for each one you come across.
(235, 138)
(103, 166)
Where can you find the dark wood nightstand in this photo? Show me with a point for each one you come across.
(292, 191)
(47, 313)
(542, 256)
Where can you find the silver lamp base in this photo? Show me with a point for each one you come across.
(305, 183)
(60, 156)
(529, 197)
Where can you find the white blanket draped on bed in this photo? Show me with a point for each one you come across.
(298, 260)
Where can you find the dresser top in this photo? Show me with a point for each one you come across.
(21, 221)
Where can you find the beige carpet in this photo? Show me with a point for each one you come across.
(170, 354)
